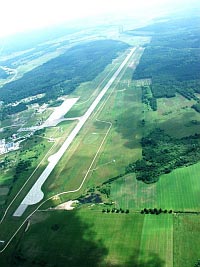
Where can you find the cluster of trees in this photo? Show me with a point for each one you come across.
(110, 180)
(153, 103)
(197, 264)
(155, 211)
(105, 189)
(175, 32)
(63, 74)
(22, 166)
(114, 210)
(9, 110)
(172, 60)
(148, 99)
(162, 153)
(196, 107)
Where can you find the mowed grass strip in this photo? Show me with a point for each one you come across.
(71, 169)
(186, 240)
(122, 145)
(120, 234)
(178, 190)
(157, 238)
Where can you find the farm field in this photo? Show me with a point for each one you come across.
(186, 240)
(106, 239)
(178, 191)
(101, 238)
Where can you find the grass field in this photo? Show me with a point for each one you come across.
(122, 146)
(178, 190)
(157, 239)
(186, 240)
(106, 239)
(118, 240)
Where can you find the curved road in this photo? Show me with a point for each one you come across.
(35, 194)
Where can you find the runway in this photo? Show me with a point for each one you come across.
(35, 194)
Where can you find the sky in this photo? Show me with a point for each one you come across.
(23, 15)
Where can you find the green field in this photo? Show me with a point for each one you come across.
(106, 239)
(101, 239)
(186, 240)
(157, 239)
(178, 190)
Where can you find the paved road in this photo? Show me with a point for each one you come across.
(35, 195)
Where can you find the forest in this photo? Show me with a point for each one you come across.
(63, 74)
(172, 59)
(162, 153)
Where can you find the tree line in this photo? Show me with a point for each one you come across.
(155, 211)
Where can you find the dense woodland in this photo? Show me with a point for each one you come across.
(172, 59)
(162, 153)
(63, 74)
(9, 110)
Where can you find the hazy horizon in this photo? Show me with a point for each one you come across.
(22, 15)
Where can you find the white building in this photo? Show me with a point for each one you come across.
(7, 147)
